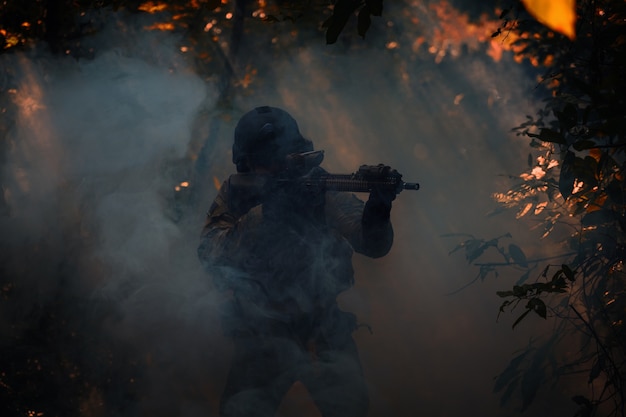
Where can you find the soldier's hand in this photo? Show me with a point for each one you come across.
(381, 172)
(378, 206)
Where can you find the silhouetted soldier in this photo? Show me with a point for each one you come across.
(283, 253)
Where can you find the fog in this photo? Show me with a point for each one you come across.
(95, 229)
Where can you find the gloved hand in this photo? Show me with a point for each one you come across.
(378, 206)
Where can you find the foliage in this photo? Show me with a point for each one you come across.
(342, 12)
(63, 24)
(575, 188)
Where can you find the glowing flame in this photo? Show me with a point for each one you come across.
(558, 15)
(161, 26)
(184, 184)
(151, 7)
(454, 31)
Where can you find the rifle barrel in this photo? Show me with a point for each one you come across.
(411, 185)
(351, 183)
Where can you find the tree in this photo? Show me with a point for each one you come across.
(575, 185)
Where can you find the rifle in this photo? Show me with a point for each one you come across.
(362, 181)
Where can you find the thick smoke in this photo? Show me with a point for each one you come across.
(91, 239)
(94, 230)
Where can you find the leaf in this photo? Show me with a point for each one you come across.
(558, 15)
(327, 22)
(520, 318)
(485, 270)
(375, 7)
(616, 191)
(523, 278)
(271, 18)
(582, 145)
(511, 372)
(518, 255)
(335, 27)
(531, 381)
(506, 396)
(473, 249)
(549, 135)
(597, 218)
(568, 118)
(364, 21)
(567, 176)
(596, 369)
(213, 4)
(341, 13)
(538, 306)
(568, 272)
(581, 400)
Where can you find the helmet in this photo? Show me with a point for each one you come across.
(266, 135)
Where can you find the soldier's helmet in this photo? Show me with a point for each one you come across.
(264, 136)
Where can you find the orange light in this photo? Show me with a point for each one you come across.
(217, 183)
(151, 7)
(161, 26)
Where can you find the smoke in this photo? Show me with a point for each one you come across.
(98, 249)
(102, 287)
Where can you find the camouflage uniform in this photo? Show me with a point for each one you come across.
(282, 271)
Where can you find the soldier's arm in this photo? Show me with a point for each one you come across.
(224, 230)
(366, 225)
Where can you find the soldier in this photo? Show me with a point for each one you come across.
(282, 256)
